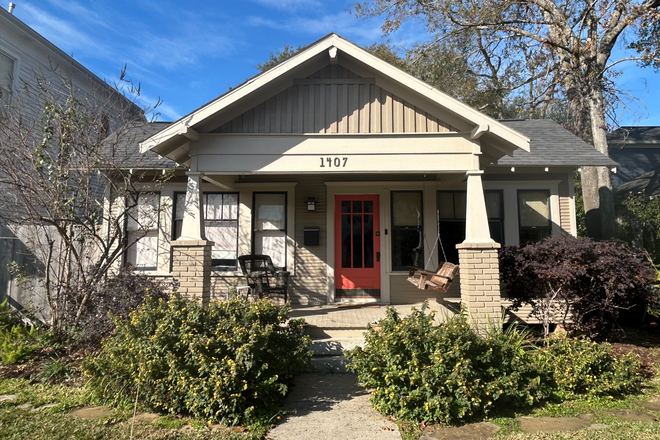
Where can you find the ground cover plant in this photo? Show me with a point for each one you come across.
(449, 374)
(582, 283)
(227, 362)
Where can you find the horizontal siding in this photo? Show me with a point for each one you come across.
(335, 107)
(309, 286)
(565, 218)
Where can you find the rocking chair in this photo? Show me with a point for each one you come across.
(440, 280)
(262, 277)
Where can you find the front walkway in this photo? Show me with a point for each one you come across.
(358, 316)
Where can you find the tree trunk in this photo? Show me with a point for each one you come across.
(596, 181)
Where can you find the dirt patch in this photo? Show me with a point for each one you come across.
(644, 342)
(30, 370)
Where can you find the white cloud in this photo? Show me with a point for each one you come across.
(63, 34)
(342, 23)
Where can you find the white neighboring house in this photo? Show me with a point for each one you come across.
(29, 61)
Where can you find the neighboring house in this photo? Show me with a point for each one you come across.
(636, 150)
(30, 67)
(345, 170)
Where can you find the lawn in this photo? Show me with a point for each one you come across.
(22, 418)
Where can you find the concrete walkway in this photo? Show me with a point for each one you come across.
(331, 407)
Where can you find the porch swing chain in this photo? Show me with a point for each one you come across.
(438, 239)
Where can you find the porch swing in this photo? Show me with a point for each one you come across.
(441, 279)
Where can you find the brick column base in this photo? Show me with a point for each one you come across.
(480, 283)
(191, 266)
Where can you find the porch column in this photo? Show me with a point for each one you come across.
(478, 260)
(191, 252)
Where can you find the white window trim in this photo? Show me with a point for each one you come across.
(17, 64)
(510, 192)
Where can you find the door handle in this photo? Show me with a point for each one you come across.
(378, 257)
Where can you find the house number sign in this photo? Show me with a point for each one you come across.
(333, 162)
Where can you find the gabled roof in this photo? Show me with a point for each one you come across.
(552, 145)
(634, 135)
(307, 61)
(122, 147)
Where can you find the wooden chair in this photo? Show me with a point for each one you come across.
(262, 277)
(440, 280)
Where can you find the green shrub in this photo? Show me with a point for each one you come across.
(8, 316)
(226, 362)
(580, 367)
(445, 374)
(18, 343)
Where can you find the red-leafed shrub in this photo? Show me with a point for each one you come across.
(588, 281)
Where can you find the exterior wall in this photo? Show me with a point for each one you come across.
(312, 276)
(562, 201)
(38, 62)
(335, 100)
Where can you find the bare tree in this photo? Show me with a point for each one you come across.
(70, 187)
(565, 50)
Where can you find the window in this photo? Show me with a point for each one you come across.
(6, 78)
(220, 225)
(452, 206)
(269, 220)
(534, 215)
(142, 227)
(407, 230)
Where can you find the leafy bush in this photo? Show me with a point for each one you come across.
(445, 374)
(582, 367)
(17, 344)
(227, 362)
(593, 280)
(8, 316)
(117, 296)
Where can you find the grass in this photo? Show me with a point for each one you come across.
(55, 423)
(616, 428)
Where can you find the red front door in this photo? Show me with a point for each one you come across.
(357, 246)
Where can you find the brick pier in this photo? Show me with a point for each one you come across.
(480, 283)
(191, 266)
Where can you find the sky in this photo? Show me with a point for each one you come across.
(187, 53)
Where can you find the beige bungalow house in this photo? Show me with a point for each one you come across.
(345, 170)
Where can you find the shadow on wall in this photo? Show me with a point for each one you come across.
(20, 295)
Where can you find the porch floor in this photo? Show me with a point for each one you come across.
(358, 316)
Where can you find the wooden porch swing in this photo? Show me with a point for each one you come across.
(441, 279)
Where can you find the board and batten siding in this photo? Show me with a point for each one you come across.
(335, 100)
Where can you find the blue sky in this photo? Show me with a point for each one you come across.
(189, 52)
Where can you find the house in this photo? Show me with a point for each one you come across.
(31, 68)
(346, 170)
(636, 150)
